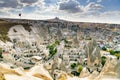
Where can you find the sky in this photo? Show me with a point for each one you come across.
(102, 11)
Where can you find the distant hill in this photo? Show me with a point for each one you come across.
(54, 26)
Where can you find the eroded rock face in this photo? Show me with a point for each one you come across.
(110, 71)
(111, 68)
(38, 72)
(2, 76)
(84, 73)
(92, 53)
(93, 75)
(59, 65)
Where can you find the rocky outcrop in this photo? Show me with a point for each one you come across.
(63, 76)
(8, 71)
(58, 65)
(92, 53)
(40, 71)
(84, 73)
(2, 76)
(111, 69)
(43, 77)
(93, 75)
(25, 37)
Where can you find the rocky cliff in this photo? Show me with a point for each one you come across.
(25, 43)
(49, 29)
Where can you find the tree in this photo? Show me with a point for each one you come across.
(79, 68)
(57, 42)
(117, 55)
(103, 60)
(65, 40)
(52, 48)
(104, 48)
(112, 52)
(73, 65)
(1, 53)
(75, 73)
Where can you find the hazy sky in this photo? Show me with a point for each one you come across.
(72, 10)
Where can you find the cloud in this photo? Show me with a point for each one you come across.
(39, 9)
(93, 6)
(109, 17)
(3, 13)
(109, 14)
(88, 1)
(50, 1)
(71, 6)
(1, 1)
(99, 1)
(28, 1)
(10, 4)
(29, 9)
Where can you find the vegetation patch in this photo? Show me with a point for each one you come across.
(115, 53)
(65, 40)
(1, 53)
(103, 60)
(104, 48)
(52, 48)
(77, 69)
(73, 65)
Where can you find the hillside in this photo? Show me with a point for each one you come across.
(5, 27)
(58, 49)
(59, 25)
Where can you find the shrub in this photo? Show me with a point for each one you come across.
(57, 42)
(1, 53)
(65, 40)
(103, 60)
(117, 52)
(52, 48)
(79, 68)
(73, 65)
(104, 48)
(75, 73)
(103, 57)
(117, 55)
(112, 52)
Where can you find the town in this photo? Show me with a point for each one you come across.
(81, 49)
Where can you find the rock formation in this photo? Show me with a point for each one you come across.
(111, 69)
(92, 53)
(2, 76)
(30, 38)
(84, 73)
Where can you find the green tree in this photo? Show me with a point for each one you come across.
(79, 68)
(52, 48)
(1, 53)
(73, 65)
(65, 40)
(75, 73)
(103, 60)
(112, 52)
(104, 48)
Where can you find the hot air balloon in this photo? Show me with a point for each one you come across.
(20, 15)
